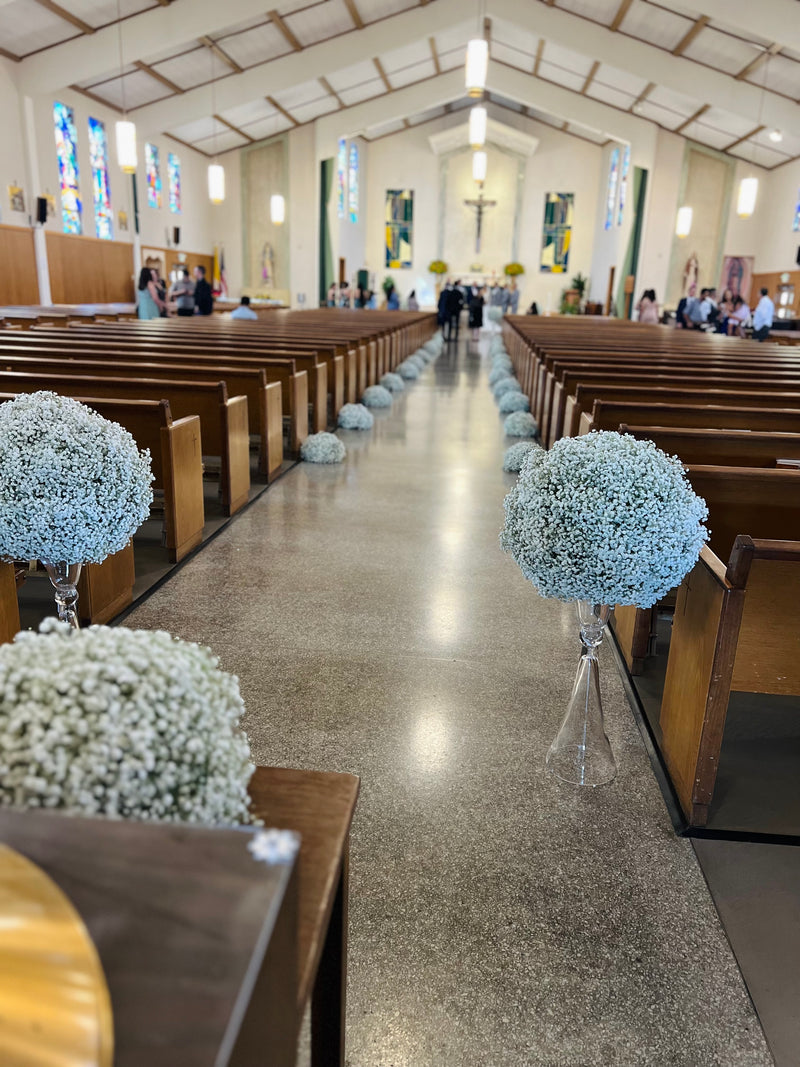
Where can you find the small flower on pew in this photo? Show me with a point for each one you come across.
(130, 724)
(376, 396)
(409, 371)
(520, 424)
(513, 401)
(515, 455)
(506, 385)
(605, 518)
(274, 847)
(393, 382)
(356, 417)
(322, 448)
(74, 487)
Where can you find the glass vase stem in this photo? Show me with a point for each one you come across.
(64, 579)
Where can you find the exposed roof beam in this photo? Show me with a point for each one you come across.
(158, 77)
(643, 95)
(280, 25)
(774, 21)
(743, 138)
(287, 115)
(538, 60)
(220, 53)
(10, 55)
(692, 118)
(755, 63)
(67, 16)
(93, 96)
(354, 13)
(590, 77)
(698, 27)
(435, 55)
(622, 11)
(382, 74)
(234, 129)
(329, 89)
(192, 147)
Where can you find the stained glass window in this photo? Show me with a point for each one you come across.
(174, 178)
(153, 171)
(613, 176)
(399, 227)
(796, 224)
(67, 152)
(101, 194)
(353, 183)
(556, 232)
(623, 182)
(341, 177)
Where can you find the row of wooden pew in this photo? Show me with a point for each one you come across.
(202, 394)
(730, 409)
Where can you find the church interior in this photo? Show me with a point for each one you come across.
(368, 367)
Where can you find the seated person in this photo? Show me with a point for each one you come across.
(738, 318)
(695, 313)
(244, 311)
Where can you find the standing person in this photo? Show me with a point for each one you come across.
(149, 304)
(763, 316)
(161, 288)
(203, 297)
(496, 296)
(392, 300)
(330, 300)
(441, 316)
(413, 303)
(454, 304)
(648, 307)
(725, 311)
(514, 298)
(182, 292)
(505, 293)
(244, 311)
(344, 295)
(476, 303)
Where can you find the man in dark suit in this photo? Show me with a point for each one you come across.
(203, 297)
(455, 301)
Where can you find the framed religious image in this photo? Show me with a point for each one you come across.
(16, 198)
(737, 275)
(122, 220)
(556, 232)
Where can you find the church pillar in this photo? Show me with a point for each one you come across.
(35, 186)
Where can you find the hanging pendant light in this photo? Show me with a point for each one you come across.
(216, 183)
(775, 136)
(477, 127)
(479, 163)
(125, 130)
(277, 209)
(477, 65)
(683, 226)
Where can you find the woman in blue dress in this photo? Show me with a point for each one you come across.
(148, 303)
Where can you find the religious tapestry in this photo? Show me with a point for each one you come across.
(737, 275)
(556, 232)
(399, 227)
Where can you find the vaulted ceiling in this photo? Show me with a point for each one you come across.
(217, 76)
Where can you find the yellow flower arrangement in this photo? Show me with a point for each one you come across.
(438, 266)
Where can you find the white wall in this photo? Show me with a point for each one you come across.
(303, 216)
(13, 169)
(770, 228)
(662, 205)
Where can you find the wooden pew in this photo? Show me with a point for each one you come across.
(609, 415)
(223, 419)
(734, 631)
(9, 606)
(731, 448)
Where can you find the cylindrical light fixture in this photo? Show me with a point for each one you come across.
(126, 146)
(216, 183)
(477, 63)
(479, 167)
(683, 226)
(277, 209)
(477, 127)
(746, 202)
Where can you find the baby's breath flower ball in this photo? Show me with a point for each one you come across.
(513, 401)
(408, 370)
(125, 723)
(606, 518)
(355, 417)
(393, 382)
(418, 362)
(515, 455)
(74, 487)
(506, 385)
(376, 396)
(322, 448)
(520, 424)
(499, 373)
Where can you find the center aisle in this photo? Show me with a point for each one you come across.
(497, 917)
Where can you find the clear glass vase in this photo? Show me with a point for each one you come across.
(64, 579)
(581, 753)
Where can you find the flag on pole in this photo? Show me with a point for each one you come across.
(223, 281)
(215, 278)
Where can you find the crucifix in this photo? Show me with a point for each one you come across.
(480, 206)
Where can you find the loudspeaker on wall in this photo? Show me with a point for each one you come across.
(41, 210)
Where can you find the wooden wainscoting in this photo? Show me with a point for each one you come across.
(18, 281)
(170, 257)
(772, 281)
(86, 270)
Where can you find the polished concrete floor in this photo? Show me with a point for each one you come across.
(498, 917)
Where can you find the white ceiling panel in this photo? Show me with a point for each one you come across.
(355, 75)
(721, 51)
(140, 89)
(268, 127)
(426, 116)
(648, 110)
(371, 10)
(320, 21)
(223, 142)
(591, 135)
(789, 146)
(761, 157)
(655, 25)
(250, 112)
(365, 91)
(515, 57)
(567, 59)
(385, 128)
(607, 94)
(728, 122)
(26, 27)
(407, 56)
(620, 79)
(779, 74)
(597, 10)
(288, 6)
(677, 102)
(102, 12)
(707, 135)
(452, 59)
(561, 76)
(511, 35)
(200, 130)
(725, 27)
(307, 112)
(415, 73)
(256, 46)
(301, 94)
(111, 76)
(239, 27)
(543, 116)
(187, 70)
(455, 36)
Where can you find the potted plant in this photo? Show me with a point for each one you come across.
(513, 270)
(439, 268)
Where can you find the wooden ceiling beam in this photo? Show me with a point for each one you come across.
(697, 28)
(382, 73)
(234, 129)
(140, 65)
(354, 14)
(67, 16)
(192, 147)
(743, 138)
(590, 77)
(93, 96)
(754, 64)
(435, 55)
(329, 89)
(221, 54)
(281, 26)
(278, 107)
(538, 60)
(692, 118)
(622, 11)
(643, 95)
